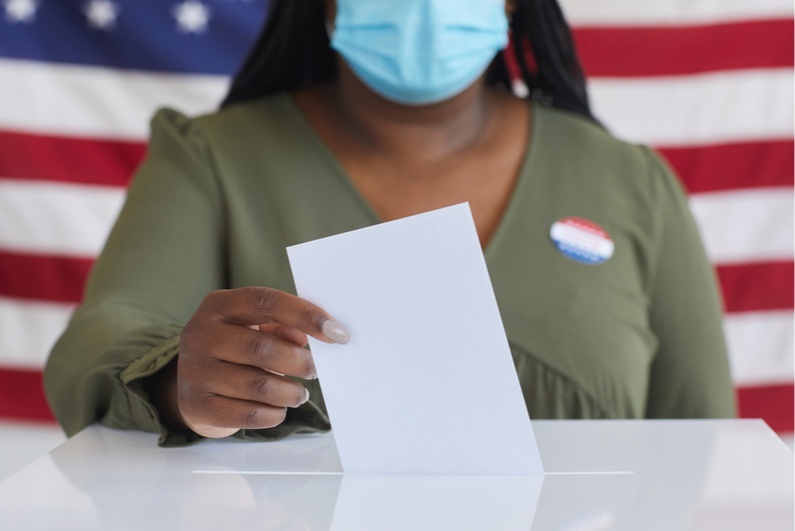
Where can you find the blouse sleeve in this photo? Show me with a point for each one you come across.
(166, 251)
(690, 372)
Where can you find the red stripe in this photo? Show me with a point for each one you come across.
(51, 278)
(734, 166)
(529, 56)
(22, 396)
(74, 160)
(702, 168)
(761, 286)
(512, 62)
(671, 51)
(772, 403)
(745, 287)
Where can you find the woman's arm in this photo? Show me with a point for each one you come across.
(165, 253)
(690, 373)
(158, 345)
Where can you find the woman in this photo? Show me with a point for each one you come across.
(403, 111)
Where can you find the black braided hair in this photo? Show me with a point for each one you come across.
(293, 52)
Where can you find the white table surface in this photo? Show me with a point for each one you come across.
(618, 475)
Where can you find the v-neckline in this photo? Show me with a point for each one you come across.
(519, 185)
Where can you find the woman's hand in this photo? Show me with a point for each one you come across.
(234, 355)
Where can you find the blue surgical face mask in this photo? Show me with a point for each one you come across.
(418, 52)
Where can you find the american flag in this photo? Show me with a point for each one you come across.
(709, 83)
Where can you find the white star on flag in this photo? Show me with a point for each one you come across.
(20, 10)
(192, 16)
(101, 14)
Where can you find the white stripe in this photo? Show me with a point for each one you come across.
(761, 347)
(746, 225)
(69, 219)
(97, 102)
(680, 12)
(697, 109)
(89, 101)
(29, 331)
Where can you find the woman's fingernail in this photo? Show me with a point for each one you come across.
(335, 332)
(306, 396)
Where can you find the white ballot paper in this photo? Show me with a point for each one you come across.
(427, 384)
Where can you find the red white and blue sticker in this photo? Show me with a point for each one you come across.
(582, 241)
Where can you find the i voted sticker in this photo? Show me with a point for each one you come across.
(582, 241)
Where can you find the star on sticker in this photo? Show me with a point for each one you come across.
(20, 10)
(192, 16)
(101, 14)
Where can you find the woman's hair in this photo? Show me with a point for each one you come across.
(293, 52)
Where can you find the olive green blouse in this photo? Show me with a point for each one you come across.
(220, 197)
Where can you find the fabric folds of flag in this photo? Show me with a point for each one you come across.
(708, 84)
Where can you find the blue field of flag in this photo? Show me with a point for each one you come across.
(185, 36)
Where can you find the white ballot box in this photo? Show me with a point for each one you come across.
(599, 475)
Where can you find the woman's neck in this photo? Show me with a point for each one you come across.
(405, 160)
(422, 133)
